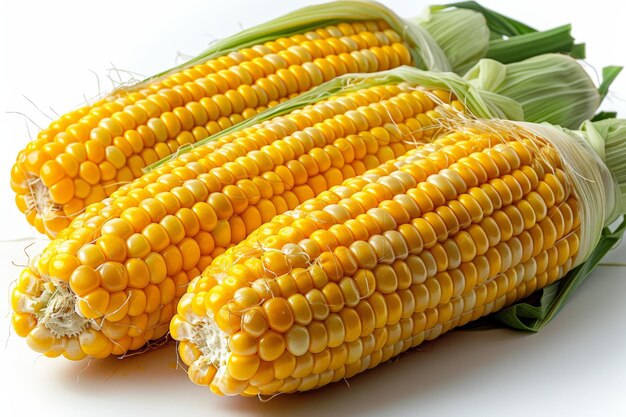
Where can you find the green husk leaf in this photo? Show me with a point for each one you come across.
(603, 115)
(512, 40)
(564, 95)
(613, 133)
(530, 44)
(498, 24)
(609, 74)
(462, 34)
(578, 51)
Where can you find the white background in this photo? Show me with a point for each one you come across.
(48, 53)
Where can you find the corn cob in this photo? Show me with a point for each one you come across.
(110, 282)
(88, 153)
(471, 223)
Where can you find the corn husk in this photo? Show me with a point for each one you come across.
(608, 138)
(562, 79)
(512, 40)
(462, 34)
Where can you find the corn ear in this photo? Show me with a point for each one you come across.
(473, 222)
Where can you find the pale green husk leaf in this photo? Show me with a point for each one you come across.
(551, 88)
(608, 137)
(462, 34)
